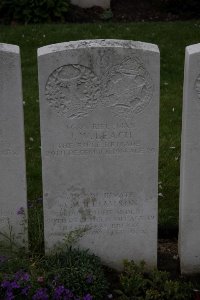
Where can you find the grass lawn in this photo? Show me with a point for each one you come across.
(171, 37)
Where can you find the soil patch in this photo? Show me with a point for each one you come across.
(168, 259)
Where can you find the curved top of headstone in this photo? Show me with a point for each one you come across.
(97, 43)
(192, 49)
(9, 48)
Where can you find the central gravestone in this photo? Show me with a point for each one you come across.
(99, 104)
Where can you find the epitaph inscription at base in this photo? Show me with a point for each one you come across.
(99, 104)
(13, 200)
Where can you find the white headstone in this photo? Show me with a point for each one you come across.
(189, 216)
(13, 199)
(99, 105)
(90, 3)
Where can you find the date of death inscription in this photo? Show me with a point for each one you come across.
(123, 223)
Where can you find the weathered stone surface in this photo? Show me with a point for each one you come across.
(12, 150)
(90, 3)
(189, 226)
(99, 104)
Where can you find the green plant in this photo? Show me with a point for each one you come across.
(80, 271)
(10, 241)
(74, 272)
(137, 284)
(33, 11)
(177, 290)
(133, 280)
(71, 239)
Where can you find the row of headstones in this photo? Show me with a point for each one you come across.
(99, 107)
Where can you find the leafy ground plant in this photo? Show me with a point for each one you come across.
(71, 275)
(79, 271)
(138, 284)
(33, 11)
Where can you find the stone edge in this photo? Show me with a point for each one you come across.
(192, 49)
(9, 48)
(97, 43)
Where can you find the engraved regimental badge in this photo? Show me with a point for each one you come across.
(75, 90)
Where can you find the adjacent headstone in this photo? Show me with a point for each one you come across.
(12, 151)
(90, 3)
(189, 216)
(99, 103)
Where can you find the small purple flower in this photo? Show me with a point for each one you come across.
(18, 275)
(21, 275)
(62, 293)
(5, 284)
(87, 297)
(9, 295)
(58, 292)
(41, 294)
(21, 211)
(25, 290)
(14, 285)
(26, 277)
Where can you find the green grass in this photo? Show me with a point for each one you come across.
(171, 37)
